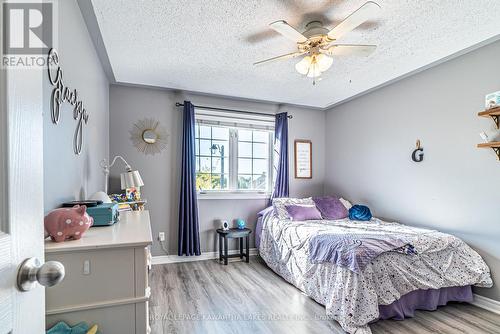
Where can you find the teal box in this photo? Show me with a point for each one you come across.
(104, 214)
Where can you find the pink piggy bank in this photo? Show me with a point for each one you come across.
(67, 223)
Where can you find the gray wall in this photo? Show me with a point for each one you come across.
(457, 187)
(161, 172)
(67, 176)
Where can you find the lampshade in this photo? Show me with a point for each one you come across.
(131, 179)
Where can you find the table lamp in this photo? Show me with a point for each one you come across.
(129, 179)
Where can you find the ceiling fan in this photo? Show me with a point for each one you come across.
(317, 43)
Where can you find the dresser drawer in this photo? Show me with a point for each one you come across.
(93, 277)
(110, 320)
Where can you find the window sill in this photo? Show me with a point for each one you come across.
(232, 195)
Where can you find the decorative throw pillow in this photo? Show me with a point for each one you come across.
(360, 212)
(346, 203)
(280, 209)
(303, 212)
(330, 207)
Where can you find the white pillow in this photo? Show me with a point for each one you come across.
(346, 203)
(280, 204)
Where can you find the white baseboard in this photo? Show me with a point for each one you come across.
(486, 303)
(163, 259)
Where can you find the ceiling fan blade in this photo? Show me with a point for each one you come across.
(287, 56)
(288, 31)
(349, 50)
(364, 13)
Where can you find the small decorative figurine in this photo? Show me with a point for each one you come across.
(240, 223)
(118, 198)
(67, 223)
(133, 194)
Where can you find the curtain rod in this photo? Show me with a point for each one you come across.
(177, 104)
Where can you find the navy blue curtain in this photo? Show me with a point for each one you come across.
(281, 155)
(189, 236)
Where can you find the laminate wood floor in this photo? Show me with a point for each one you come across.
(207, 297)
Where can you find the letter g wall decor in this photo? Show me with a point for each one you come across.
(418, 153)
(62, 93)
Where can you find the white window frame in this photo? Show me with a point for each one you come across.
(232, 122)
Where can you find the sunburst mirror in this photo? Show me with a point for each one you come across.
(148, 136)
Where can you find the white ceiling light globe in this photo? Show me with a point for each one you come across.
(303, 66)
(324, 62)
(314, 71)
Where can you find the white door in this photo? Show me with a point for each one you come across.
(21, 196)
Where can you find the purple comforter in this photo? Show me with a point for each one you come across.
(355, 251)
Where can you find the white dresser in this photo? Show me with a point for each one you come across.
(106, 279)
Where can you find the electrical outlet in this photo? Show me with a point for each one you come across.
(161, 236)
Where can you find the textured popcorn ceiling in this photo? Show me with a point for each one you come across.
(209, 46)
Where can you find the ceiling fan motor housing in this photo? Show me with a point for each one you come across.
(315, 29)
(317, 36)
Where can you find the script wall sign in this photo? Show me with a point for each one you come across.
(61, 94)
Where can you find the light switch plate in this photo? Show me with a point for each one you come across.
(86, 267)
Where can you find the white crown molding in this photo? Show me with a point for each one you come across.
(486, 303)
(164, 259)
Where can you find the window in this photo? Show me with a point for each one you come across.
(212, 157)
(232, 156)
(253, 159)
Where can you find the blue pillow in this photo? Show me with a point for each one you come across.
(359, 212)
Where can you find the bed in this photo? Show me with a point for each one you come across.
(392, 285)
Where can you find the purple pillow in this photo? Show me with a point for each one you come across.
(331, 207)
(303, 212)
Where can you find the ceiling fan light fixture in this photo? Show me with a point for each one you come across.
(312, 66)
(303, 66)
(314, 71)
(316, 42)
(324, 62)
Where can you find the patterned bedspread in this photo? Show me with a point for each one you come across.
(441, 260)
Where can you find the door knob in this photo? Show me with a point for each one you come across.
(30, 272)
